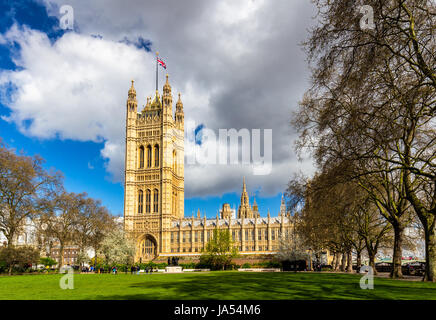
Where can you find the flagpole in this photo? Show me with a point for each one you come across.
(157, 54)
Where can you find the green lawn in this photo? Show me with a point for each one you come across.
(213, 285)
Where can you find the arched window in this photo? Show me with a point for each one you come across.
(148, 156)
(174, 202)
(156, 201)
(148, 248)
(140, 201)
(156, 156)
(141, 157)
(147, 201)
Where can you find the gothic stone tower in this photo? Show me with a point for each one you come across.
(154, 171)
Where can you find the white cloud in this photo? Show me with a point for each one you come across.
(237, 65)
(67, 89)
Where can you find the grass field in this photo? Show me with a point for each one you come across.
(213, 285)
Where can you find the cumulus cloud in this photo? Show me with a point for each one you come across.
(237, 64)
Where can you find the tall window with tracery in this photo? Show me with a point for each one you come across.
(140, 201)
(156, 201)
(147, 201)
(156, 156)
(141, 157)
(148, 156)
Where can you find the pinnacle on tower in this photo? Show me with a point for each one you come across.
(179, 104)
(132, 103)
(167, 87)
(132, 92)
(180, 118)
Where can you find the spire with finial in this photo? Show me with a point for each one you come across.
(132, 92)
(255, 207)
(132, 103)
(167, 87)
(198, 214)
(179, 104)
(166, 96)
(180, 117)
(244, 195)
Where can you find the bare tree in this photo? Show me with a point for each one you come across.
(62, 219)
(373, 103)
(23, 181)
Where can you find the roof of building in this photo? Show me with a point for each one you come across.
(187, 222)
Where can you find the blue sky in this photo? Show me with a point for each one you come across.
(86, 161)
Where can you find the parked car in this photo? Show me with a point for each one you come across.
(383, 266)
(416, 268)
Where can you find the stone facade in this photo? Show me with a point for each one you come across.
(154, 191)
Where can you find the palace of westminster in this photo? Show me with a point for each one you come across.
(154, 191)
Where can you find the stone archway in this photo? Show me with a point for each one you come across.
(148, 248)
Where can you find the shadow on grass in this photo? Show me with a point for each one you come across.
(271, 286)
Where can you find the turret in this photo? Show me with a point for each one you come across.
(244, 209)
(180, 116)
(167, 97)
(244, 196)
(132, 103)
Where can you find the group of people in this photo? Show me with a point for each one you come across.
(114, 270)
(87, 269)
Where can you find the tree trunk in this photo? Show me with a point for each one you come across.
(338, 256)
(430, 252)
(334, 261)
(343, 261)
(358, 261)
(349, 262)
(398, 252)
(371, 256)
(61, 256)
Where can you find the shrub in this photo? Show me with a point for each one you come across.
(190, 265)
(246, 265)
(273, 264)
(18, 259)
(47, 261)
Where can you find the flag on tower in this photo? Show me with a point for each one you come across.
(161, 63)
